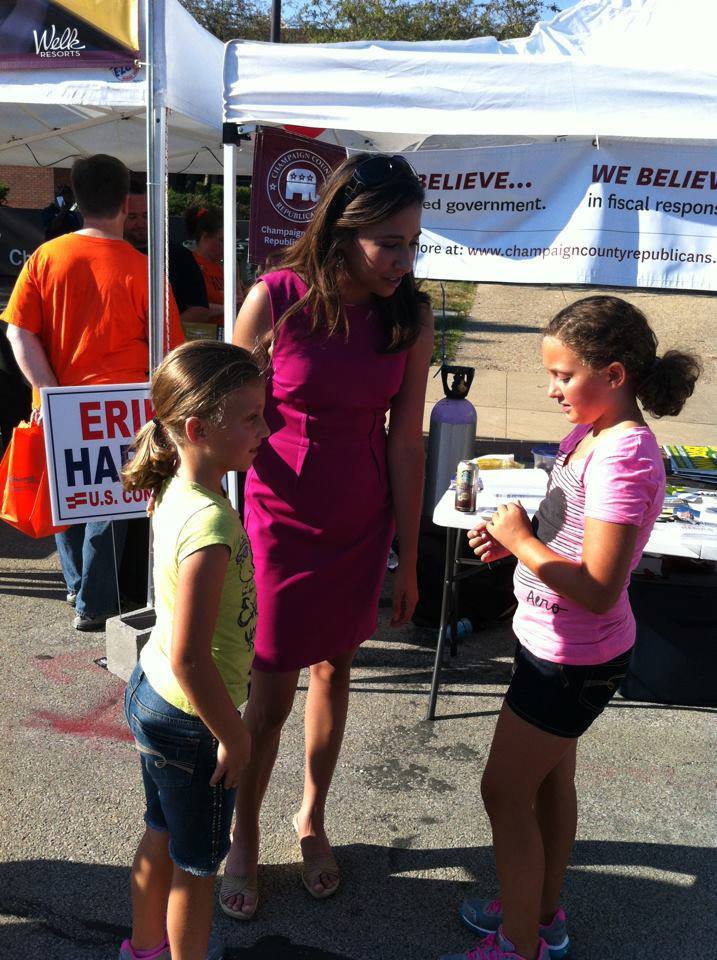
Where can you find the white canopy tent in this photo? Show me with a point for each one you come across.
(601, 71)
(618, 68)
(49, 117)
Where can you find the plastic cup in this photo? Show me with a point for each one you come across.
(544, 456)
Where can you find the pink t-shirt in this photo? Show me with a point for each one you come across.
(621, 480)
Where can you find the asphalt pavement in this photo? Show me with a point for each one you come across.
(406, 817)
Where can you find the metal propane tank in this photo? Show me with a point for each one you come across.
(452, 433)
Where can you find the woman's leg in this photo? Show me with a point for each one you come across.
(324, 723)
(151, 880)
(189, 915)
(270, 702)
(556, 808)
(521, 756)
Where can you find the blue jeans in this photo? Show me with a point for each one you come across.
(178, 756)
(90, 565)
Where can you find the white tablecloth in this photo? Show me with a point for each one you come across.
(672, 539)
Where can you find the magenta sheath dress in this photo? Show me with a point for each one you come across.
(318, 508)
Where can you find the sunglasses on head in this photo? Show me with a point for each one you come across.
(376, 170)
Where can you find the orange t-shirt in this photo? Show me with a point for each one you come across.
(213, 274)
(86, 299)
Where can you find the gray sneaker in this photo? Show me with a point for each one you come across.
(485, 916)
(496, 947)
(85, 624)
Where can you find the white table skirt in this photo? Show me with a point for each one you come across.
(672, 539)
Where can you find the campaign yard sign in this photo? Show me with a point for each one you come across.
(88, 431)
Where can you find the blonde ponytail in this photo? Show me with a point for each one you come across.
(154, 458)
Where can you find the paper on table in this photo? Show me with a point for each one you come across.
(505, 486)
(487, 504)
(516, 483)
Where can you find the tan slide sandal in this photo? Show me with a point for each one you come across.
(313, 867)
(238, 887)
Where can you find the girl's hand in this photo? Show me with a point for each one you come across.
(484, 546)
(405, 594)
(510, 526)
(231, 759)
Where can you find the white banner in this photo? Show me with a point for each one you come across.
(88, 431)
(627, 214)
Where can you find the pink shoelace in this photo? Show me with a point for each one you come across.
(495, 906)
(487, 949)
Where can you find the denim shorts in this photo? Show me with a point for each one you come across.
(178, 756)
(560, 698)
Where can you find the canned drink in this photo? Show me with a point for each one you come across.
(466, 487)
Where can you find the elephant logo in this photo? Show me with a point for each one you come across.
(300, 181)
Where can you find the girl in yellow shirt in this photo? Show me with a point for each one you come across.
(181, 701)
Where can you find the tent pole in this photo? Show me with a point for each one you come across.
(156, 202)
(275, 34)
(230, 240)
(230, 273)
(156, 175)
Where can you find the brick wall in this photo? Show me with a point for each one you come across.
(30, 187)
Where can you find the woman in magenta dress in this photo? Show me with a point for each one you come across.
(349, 339)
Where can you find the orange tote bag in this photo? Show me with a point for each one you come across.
(24, 489)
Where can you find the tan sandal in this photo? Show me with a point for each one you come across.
(238, 887)
(313, 867)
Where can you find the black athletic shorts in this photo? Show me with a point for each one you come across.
(561, 698)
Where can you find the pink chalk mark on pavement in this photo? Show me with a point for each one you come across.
(63, 668)
(100, 723)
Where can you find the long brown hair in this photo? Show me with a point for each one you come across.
(318, 257)
(195, 380)
(602, 330)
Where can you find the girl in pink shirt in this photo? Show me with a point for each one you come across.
(574, 625)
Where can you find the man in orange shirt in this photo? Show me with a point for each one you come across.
(79, 315)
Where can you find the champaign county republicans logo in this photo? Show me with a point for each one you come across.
(294, 183)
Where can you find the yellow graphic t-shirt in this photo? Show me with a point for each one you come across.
(188, 517)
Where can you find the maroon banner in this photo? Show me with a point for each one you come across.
(56, 34)
(288, 177)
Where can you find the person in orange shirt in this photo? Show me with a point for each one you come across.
(79, 315)
(185, 277)
(205, 226)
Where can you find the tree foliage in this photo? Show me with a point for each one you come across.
(213, 195)
(412, 20)
(231, 20)
(323, 21)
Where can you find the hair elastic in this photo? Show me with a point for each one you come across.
(156, 422)
(656, 364)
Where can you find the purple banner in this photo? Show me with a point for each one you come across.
(43, 34)
(288, 176)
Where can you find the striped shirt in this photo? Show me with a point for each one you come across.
(621, 480)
